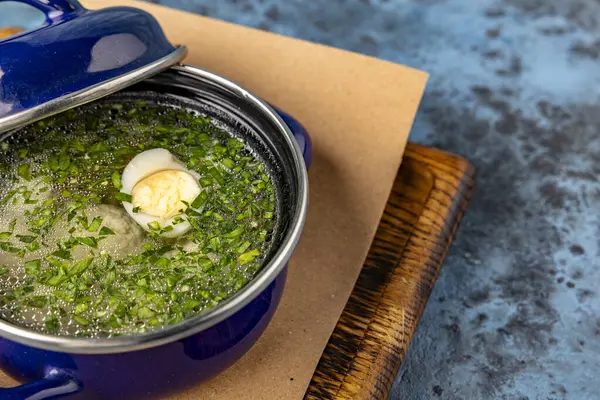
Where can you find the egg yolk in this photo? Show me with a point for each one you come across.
(161, 194)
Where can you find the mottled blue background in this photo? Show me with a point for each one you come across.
(514, 88)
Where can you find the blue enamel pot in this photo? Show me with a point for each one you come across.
(141, 63)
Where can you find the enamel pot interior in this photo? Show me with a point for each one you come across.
(269, 137)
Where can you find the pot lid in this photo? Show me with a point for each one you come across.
(78, 56)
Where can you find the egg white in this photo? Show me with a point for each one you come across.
(140, 167)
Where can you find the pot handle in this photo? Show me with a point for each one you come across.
(302, 136)
(54, 10)
(54, 385)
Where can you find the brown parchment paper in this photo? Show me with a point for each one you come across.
(359, 111)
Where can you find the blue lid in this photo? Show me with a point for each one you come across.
(78, 56)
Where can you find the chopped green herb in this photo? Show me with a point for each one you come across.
(64, 254)
(37, 301)
(33, 267)
(116, 180)
(123, 197)
(199, 200)
(81, 307)
(7, 247)
(228, 163)
(56, 262)
(243, 247)
(154, 225)
(53, 163)
(234, 233)
(199, 152)
(33, 246)
(217, 175)
(26, 238)
(52, 325)
(57, 279)
(205, 263)
(191, 304)
(249, 256)
(78, 146)
(145, 313)
(80, 266)
(81, 320)
(215, 243)
(162, 262)
(22, 153)
(109, 278)
(166, 229)
(24, 172)
(105, 231)
(95, 224)
(64, 161)
(88, 241)
(206, 181)
(98, 147)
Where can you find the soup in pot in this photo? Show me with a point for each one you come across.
(122, 218)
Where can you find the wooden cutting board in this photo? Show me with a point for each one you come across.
(372, 336)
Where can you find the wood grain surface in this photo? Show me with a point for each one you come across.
(372, 336)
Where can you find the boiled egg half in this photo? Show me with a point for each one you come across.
(160, 186)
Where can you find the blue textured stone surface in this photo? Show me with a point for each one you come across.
(515, 88)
